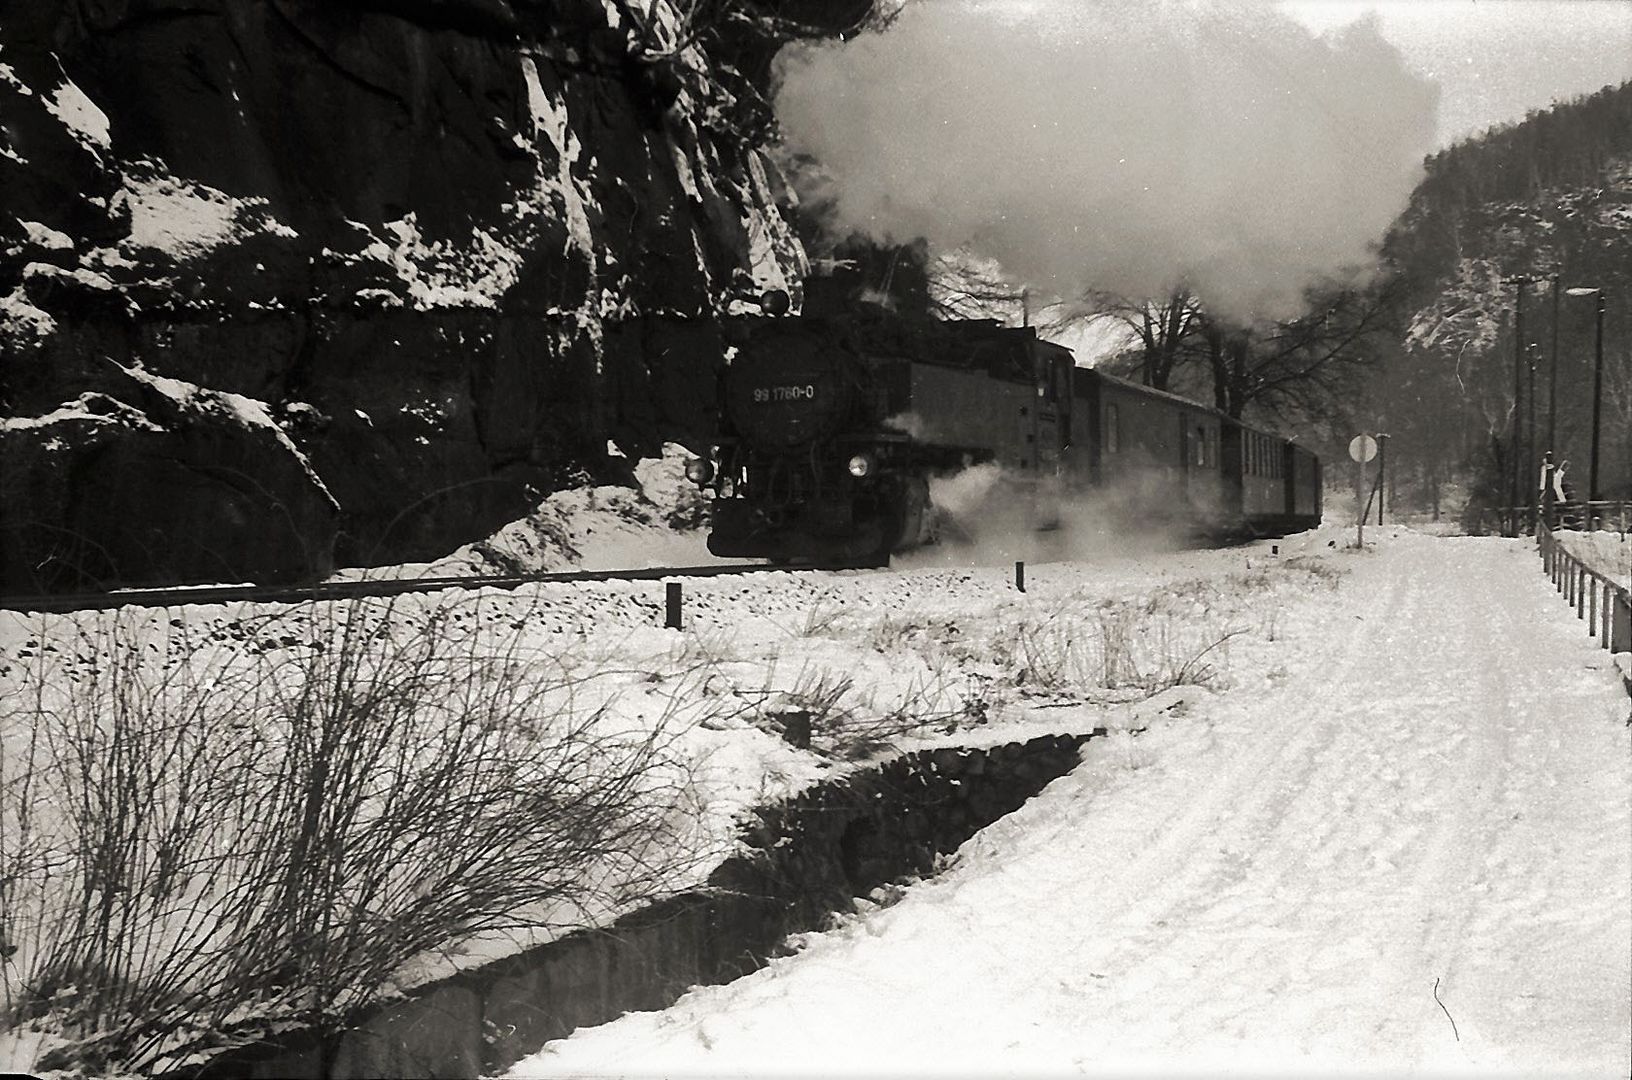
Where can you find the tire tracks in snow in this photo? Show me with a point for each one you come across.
(1332, 862)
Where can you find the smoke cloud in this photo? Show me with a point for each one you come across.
(1115, 145)
(988, 516)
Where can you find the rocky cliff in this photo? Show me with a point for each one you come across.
(291, 284)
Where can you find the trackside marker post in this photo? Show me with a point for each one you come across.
(671, 619)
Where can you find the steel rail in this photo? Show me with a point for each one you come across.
(365, 588)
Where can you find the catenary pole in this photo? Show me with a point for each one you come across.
(1518, 387)
(1552, 377)
(1597, 398)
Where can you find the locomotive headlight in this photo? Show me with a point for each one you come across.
(699, 471)
(861, 465)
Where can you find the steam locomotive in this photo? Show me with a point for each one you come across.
(833, 429)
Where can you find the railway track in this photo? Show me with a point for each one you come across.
(348, 590)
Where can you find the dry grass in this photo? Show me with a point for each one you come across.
(267, 823)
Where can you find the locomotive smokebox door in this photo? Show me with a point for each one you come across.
(789, 391)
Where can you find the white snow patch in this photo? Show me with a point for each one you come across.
(88, 278)
(108, 411)
(46, 237)
(8, 75)
(552, 124)
(80, 115)
(186, 220)
(439, 274)
(19, 317)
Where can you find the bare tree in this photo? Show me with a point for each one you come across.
(965, 286)
(1302, 365)
(1168, 331)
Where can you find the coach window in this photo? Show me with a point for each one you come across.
(1113, 433)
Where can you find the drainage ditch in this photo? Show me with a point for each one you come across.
(807, 857)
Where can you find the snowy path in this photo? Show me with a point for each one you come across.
(1429, 779)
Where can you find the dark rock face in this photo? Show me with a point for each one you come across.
(448, 247)
(158, 473)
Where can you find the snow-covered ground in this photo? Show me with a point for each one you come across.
(881, 660)
(1397, 839)
(1384, 768)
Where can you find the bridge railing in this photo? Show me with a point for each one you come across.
(1605, 604)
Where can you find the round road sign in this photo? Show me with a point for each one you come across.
(1362, 448)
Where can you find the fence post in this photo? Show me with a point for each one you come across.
(1592, 609)
(671, 614)
(1620, 634)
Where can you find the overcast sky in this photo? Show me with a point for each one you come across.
(1496, 59)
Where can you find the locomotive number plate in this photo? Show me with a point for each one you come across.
(766, 394)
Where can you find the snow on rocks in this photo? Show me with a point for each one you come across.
(80, 115)
(45, 237)
(236, 409)
(593, 527)
(444, 275)
(184, 219)
(21, 321)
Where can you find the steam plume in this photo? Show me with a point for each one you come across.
(1124, 146)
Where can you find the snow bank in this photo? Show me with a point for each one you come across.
(596, 527)
(1606, 551)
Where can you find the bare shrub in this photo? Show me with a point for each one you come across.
(1146, 645)
(204, 831)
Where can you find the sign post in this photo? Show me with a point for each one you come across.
(1382, 475)
(1362, 448)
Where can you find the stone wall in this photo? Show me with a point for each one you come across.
(803, 860)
